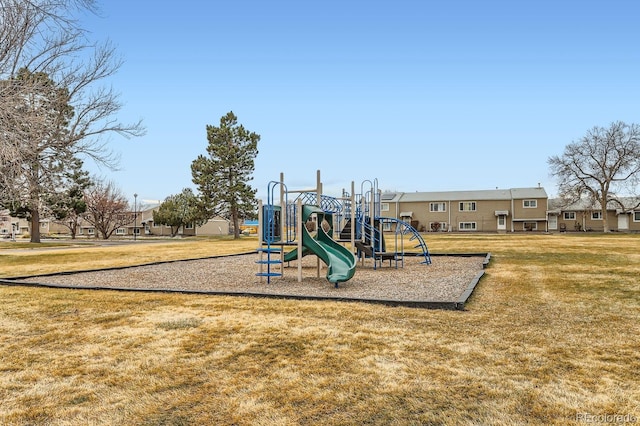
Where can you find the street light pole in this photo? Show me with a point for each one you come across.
(135, 216)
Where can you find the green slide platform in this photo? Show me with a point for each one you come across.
(341, 263)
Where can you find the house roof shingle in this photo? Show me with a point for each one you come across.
(492, 194)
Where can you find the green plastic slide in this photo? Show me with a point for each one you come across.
(341, 263)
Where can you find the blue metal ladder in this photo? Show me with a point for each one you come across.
(269, 228)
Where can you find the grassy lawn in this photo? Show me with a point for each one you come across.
(551, 335)
(22, 259)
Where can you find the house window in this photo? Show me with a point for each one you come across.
(384, 207)
(91, 231)
(569, 215)
(437, 207)
(121, 231)
(136, 231)
(467, 226)
(386, 226)
(530, 226)
(189, 225)
(636, 216)
(596, 215)
(467, 206)
(156, 225)
(530, 204)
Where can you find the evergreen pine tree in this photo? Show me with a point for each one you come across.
(222, 175)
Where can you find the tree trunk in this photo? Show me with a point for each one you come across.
(605, 221)
(236, 226)
(35, 226)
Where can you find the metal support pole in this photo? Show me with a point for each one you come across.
(353, 217)
(318, 224)
(299, 232)
(260, 239)
(135, 215)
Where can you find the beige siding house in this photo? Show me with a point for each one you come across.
(507, 210)
(499, 210)
(587, 216)
(16, 227)
(8, 225)
(215, 226)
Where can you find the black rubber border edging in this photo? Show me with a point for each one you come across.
(459, 304)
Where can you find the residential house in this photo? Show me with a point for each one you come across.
(215, 226)
(12, 226)
(499, 210)
(8, 225)
(585, 215)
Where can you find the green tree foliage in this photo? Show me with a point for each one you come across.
(222, 176)
(602, 166)
(38, 132)
(180, 210)
(67, 205)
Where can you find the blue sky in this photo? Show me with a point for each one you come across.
(421, 95)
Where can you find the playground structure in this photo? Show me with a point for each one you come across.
(316, 224)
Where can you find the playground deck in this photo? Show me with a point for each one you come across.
(444, 284)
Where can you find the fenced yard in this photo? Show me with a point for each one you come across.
(550, 336)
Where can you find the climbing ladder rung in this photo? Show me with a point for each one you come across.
(269, 250)
(268, 274)
(269, 262)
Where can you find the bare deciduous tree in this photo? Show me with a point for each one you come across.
(603, 166)
(42, 39)
(107, 208)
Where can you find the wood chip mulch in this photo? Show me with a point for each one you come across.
(440, 284)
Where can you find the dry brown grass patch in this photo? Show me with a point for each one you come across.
(551, 331)
(51, 259)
